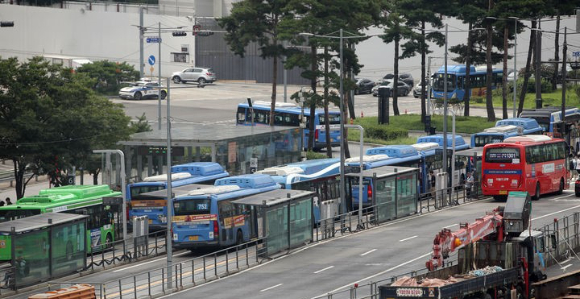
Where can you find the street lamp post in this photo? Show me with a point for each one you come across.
(445, 110)
(515, 62)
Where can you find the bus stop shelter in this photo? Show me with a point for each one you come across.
(240, 149)
(394, 190)
(283, 218)
(43, 247)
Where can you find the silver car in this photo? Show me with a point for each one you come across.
(200, 75)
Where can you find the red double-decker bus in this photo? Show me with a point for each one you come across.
(537, 164)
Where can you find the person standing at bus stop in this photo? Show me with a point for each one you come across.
(432, 183)
(469, 181)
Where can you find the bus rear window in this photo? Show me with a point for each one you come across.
(502, 155)
(9, 215)
(136, 190)
(481, 140)
(191, 207)
(334, 119)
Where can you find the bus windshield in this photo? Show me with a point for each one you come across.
(502, 155)
(191, 207)
(9, 215)
(439, 82)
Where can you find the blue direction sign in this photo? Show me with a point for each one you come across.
(151, 60)
(153, 39)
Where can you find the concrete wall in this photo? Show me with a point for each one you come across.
(97, 34)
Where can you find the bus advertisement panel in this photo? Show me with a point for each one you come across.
(536, 164)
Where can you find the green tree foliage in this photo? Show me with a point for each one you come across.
(50, 120)
(108, 76)
(256, 21)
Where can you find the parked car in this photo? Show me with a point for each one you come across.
(200, 75)
(405, 77)
(402, 88)
(141, 90)
(417, 90)
(363, 85)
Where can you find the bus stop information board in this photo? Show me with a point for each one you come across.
(177, 151)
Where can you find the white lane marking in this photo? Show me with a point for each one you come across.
(406, 239)
(564, 210)
(452, 225)
(149, 262)
(330, 267)
(374, 275)
(565, 267)
(372, 250)
(266, 289)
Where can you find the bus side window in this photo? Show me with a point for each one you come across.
(241, 116)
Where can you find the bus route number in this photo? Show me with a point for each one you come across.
(202, 206)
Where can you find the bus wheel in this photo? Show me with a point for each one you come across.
(69, 251)
(561, 189)
(239, 238)
(537, 194)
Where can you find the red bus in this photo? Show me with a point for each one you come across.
(537, 164)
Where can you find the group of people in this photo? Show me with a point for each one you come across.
(7, 202)
(575, 166)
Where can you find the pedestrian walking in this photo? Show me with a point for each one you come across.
(432, 183)
(469, 184)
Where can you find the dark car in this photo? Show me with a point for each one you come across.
(402, 90)
(405, 77)
(577, 188)
(363, 85)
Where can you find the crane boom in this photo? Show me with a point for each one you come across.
(447, 241)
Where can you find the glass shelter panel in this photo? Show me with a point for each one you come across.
(276, 229)
(300, 222)
(406, 194)
(31, 258)
(68, 249)
(384, 199)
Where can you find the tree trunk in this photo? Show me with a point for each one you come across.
(527, 72)
(326, 124)
(505, 72)
(423, 74)
(488, 93)
(396, 79)
(556, 53)
(467, 85)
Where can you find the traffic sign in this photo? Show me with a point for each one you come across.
(151, 60)
(155, 39)
(576, 54)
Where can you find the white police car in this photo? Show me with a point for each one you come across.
(141, 90)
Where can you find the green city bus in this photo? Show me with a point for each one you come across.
(83, 200)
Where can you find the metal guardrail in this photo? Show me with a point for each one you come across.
(180, 275)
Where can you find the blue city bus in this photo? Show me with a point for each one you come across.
(434, 158)
(321, 176)
(505, 128)
(456, 82)
(288, 114)
(206, 217)
(390, 155)
(550, 118)
(181, 175)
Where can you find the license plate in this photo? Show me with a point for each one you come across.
(503, 192)
(193, 238)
